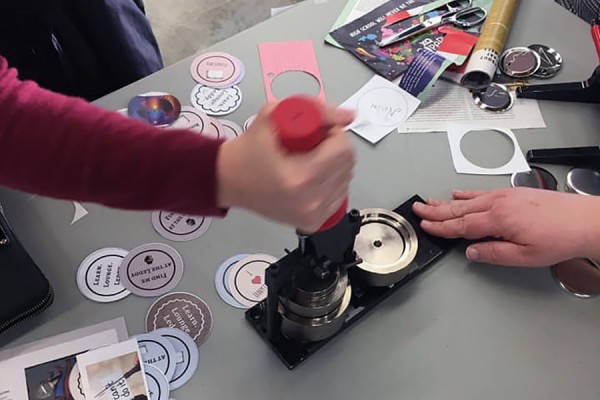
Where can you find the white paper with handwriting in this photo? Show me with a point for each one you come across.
(380, 108)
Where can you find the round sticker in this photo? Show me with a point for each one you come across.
(75, 385)
(158, 384)
(179, 227)
(249, 122)
(158, 352)
(191, 118)
(183, 311)
(216, 101)
(390, 113)
(151, 269)
(186, 355)
(98, 276)
(231, 129)
(215, 129)
(246, 279)
(156, 108)
(217, 70)
(221, 280)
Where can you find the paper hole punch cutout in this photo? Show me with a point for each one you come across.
(497, 152)
(291, 83)
(279, 57)
(462, 165)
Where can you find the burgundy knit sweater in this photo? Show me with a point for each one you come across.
(66, 148)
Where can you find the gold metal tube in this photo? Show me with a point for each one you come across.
(484, 59)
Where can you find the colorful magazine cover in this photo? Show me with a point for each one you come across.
(361, 36)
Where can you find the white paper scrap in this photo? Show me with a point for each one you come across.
(448, 102)
(463, 166)
(381, 107)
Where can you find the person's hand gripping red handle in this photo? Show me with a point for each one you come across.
(299, 124)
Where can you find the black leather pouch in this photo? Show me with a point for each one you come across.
(24, 290)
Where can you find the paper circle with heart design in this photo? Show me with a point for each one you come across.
(246, 279)
(383, 106)
(216, 101)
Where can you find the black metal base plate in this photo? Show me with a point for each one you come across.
(364, 298)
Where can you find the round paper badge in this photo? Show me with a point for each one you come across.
(179, 227)
(215, 129)
(246, 279)
(231, 129)
(183, 311)
(221, 280)
(98, 276)
(158, 352)
(157, 108)
(158, 384)
(216, 101)
(191, 118)
(151, 269)
(75, 385)
(186, 355)
(249, 122)
(217, 70)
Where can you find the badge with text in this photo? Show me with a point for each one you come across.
(186, 355)
(191, 118)
(179, 227)
(158, 384)
(158, 352)
(216, 101)
(151, 269)
(231, 129)
(75, 386)
(218, 70)
(183, 311)
(246, 279)
(249, 122)
(98, 276)
(222, 283)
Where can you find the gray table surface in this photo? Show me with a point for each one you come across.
(460, 331)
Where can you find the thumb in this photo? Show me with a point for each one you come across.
(499, 253)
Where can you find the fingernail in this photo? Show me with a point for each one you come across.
(418, 206)
(457, 191)
(426, 224)
(472, 253)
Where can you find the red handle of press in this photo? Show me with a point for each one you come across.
(300, 128)
(596, 36)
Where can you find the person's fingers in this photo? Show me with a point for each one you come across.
(335, 151)
(434, 202)
(335, 116)
(458, 194)
(451, 210)
(500, 253)
(470, 226)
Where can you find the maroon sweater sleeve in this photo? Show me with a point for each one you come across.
(63, 147)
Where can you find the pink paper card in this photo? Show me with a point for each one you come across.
(279, 57)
